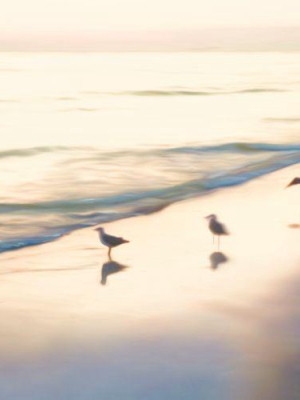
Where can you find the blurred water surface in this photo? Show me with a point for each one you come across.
(90, 138)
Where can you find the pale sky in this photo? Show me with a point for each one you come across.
(48, 18)
(49, 15)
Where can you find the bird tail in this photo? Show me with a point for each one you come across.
(295, 181)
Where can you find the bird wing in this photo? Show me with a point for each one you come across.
(114, 240)
(221, 229)
(295, 181)
(225, 230)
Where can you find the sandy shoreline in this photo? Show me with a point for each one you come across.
(168, 325)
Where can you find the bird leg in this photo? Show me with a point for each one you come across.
(218, 242)
(109, 251)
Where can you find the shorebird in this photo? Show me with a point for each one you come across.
(295, 181)
(109, 240)
(216, 227)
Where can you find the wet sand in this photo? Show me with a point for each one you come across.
(171, 316)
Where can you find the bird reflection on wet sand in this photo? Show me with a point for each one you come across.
(216, 259)
(111, 267)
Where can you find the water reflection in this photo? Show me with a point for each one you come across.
(44, 270)
(111, 267)
(216, 259)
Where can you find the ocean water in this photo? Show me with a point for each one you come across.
(89, 138)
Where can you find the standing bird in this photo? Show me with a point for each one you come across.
(216, 227)
(110, 241)
(295, 181)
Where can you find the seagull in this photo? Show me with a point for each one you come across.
(109, 240)
(216, 227)
(295, 181)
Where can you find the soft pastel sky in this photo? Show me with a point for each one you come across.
(37, 20)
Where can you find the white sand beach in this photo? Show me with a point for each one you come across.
(171, 325)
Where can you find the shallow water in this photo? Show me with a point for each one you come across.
(89, 138)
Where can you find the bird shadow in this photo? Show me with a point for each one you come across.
(216, 259)
(111, 267)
